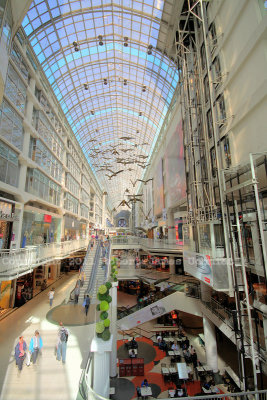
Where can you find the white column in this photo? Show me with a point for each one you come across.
(101, 350)
(210, 344)
(170, 225)
(113, 329)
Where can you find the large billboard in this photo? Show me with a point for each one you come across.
(158, 190)
(175, 182)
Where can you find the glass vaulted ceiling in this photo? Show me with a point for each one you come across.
(116, 121)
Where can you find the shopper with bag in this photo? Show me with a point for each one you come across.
(63, 335)
(86, 304)
(35, 347)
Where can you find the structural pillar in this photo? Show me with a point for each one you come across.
(210, 344)
(171, 225)
(100, 379)
(113, 330)
(172, 265)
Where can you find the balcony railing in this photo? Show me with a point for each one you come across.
(18, 262)
(163, 244)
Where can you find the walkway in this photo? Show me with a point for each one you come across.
(49, 379)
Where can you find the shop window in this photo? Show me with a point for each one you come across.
(15, 89)
(226, 151)
(209, 123)
(221, 110)
(9, 165)
(218, 234)
(206, 88)
(39, 185)
(11, 125)
(213, 161)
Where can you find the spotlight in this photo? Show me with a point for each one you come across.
(125, 44)
(76, 48)
(140, 114)
(100, 37)
(149, 49)
(125, 82)
(75, 44)
(144, 88)
(85, 86)
(105, 81)
(137, 131)
(92, 112)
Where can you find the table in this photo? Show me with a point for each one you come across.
(171, 353)
(164, 370)
(172, 392)
(146, 391)
(182, 370)
(135, 351)
(207, 368)
(177, 352)
(200, 369)
(172, 370)
(111, 390)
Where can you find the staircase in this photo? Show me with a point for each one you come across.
(87, 268)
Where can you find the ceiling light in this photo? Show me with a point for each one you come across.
(92, 112)
(137, 131)
(96, 130)
(75, 44)
(125, 82)
(144, 88)
(105, 81)
(125, 44)
(149, 49)
(140, 114)
(85, 86)
(100, 37)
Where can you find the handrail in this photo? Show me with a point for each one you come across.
(18, 262)
(91, 282)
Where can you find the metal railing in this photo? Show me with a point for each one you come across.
(18, 262)
(88, 393)
(163, 244)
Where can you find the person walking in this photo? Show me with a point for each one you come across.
(76, 294)
(82, 278)
(87, 304)
(35, 346)
(20, 352)
(51, 295)
(63, 335)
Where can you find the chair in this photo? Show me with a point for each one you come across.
(138, 392)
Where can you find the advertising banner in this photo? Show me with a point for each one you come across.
(212, 271)
(144, 315)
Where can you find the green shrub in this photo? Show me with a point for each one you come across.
(99, 327)
(108, 298)
(98, 307)
(104, 306)
(106, 323)
(102, 289)
(108, 285)
(103, 315)
(106, 334)
(101, 297)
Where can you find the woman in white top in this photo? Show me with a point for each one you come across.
(51, 296)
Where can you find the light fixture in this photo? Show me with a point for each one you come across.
(92, 112)
(105, 81)
(137, 131)
(76, 47)
(100, 37)
(140, 114)
(125, 44)
(85, 85)
(125, 82)
(143, 88)
(149, 49)
(96, 131)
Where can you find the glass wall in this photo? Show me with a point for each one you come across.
(15, 89)
(18, 60)
(39, 153)
(74, 169)
(39, 228)
(9, 165)
(41, 186)
(72, 185)
(49, 136)
(11, 125)
(84, 211)
(71, 204)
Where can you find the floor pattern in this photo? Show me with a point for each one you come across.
(71, 315)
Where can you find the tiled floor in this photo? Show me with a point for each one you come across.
(49, 379)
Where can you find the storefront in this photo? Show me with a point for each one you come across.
(39, 227)
(7, 217)
(83, 230)
(71, 228)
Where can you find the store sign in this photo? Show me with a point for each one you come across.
(48, 218)
(6, 211)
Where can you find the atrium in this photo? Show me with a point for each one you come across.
(133, 199)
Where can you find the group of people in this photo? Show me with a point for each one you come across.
(22, 352)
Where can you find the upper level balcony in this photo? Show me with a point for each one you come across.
(135, 242)
(18, 262)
